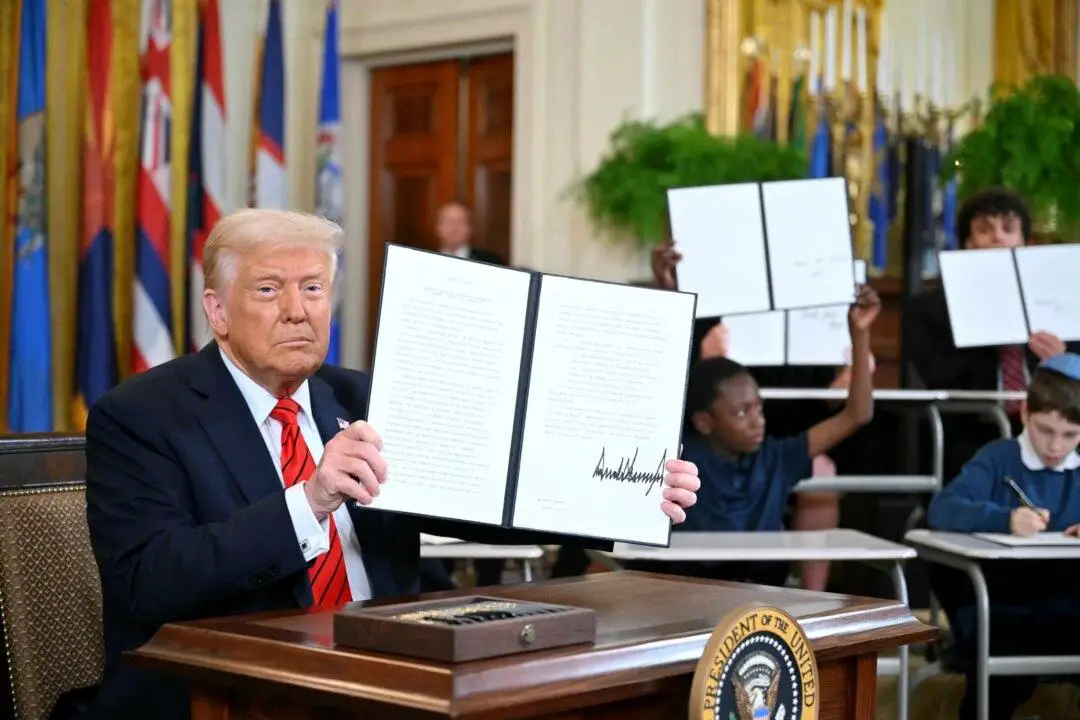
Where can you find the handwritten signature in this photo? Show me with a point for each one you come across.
(627, 473)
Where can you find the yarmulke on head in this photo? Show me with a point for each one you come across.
(1067, 364)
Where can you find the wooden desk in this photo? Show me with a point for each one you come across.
(651, 632)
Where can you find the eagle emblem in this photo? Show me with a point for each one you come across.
(757, 688)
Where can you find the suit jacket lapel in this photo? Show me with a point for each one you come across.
(326, 408)
(224, 415)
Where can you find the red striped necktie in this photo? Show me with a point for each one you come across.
(329, 582)
(1012, 374)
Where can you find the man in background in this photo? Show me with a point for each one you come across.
(993, 218)
(454, 232)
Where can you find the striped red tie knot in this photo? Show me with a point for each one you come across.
(286, 411)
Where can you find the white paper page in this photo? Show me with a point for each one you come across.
(820, 336)
(445, 383)
(756, 339)
(605, 409)
(718, 232)
(1050, 279)
(983, 296)
(1039, 539)
(809, 239)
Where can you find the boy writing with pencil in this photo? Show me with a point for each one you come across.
(746, 476)
(1022, 486)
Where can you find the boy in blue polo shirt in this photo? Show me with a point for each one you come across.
(1035, 605)
(746, 476)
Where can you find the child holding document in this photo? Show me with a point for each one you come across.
(1020, 486)
(992, 218)
(746, 476)
(812, 511)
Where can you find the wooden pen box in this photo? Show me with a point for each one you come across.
(464, 628)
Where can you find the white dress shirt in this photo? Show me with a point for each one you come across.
(1032, 461)
(461, 252)
(313, 536)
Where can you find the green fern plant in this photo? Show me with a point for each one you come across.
(1029, 141)
(625, 196)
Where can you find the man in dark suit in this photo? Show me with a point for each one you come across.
(993, 218)
(217, 482)
(454, 231)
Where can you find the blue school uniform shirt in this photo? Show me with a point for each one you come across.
(979, 499)
(746, 493)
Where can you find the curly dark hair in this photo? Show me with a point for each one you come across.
(992, 202)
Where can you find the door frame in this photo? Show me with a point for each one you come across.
(410, 41)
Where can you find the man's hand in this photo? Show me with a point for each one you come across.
(664, 260)
(1025, 521)
(1045, 345)
(715, 343)
(864, 310)
(681, 484)
(351, 467)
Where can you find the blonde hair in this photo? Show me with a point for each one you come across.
(247, 230)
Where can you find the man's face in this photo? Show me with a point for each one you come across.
(1052, 436)
(453, 227)
(995, 231)
(274, 318)
(736, 420)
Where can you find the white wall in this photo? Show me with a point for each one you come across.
(581, 67)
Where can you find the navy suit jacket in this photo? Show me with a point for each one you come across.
(188, 519)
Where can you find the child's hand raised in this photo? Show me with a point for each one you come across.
(715, 343)
(1025, 521)
(864, 310)
(664, 260)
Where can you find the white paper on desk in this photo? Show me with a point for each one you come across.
(808, 233)
(983, 296)
(605, 409)
(1043, 539)
(1050, 280)
(445, 383)
(718, 232)
(756, 339)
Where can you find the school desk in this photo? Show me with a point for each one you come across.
(965, 552)
(435, 547)
(934, 403)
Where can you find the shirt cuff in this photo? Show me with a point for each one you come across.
(312, 536)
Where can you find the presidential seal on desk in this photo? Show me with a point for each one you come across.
(758, 665)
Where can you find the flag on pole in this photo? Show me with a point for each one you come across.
(96, 344)
(949, 201)
(879, 195)
(152, 342)
(30, 406)
(821, 143)
(207, 162)
(328, 190)
(797, 121)
(271, 180)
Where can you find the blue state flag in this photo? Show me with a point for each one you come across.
(30, 401)
(328, 188)
(879, 196)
